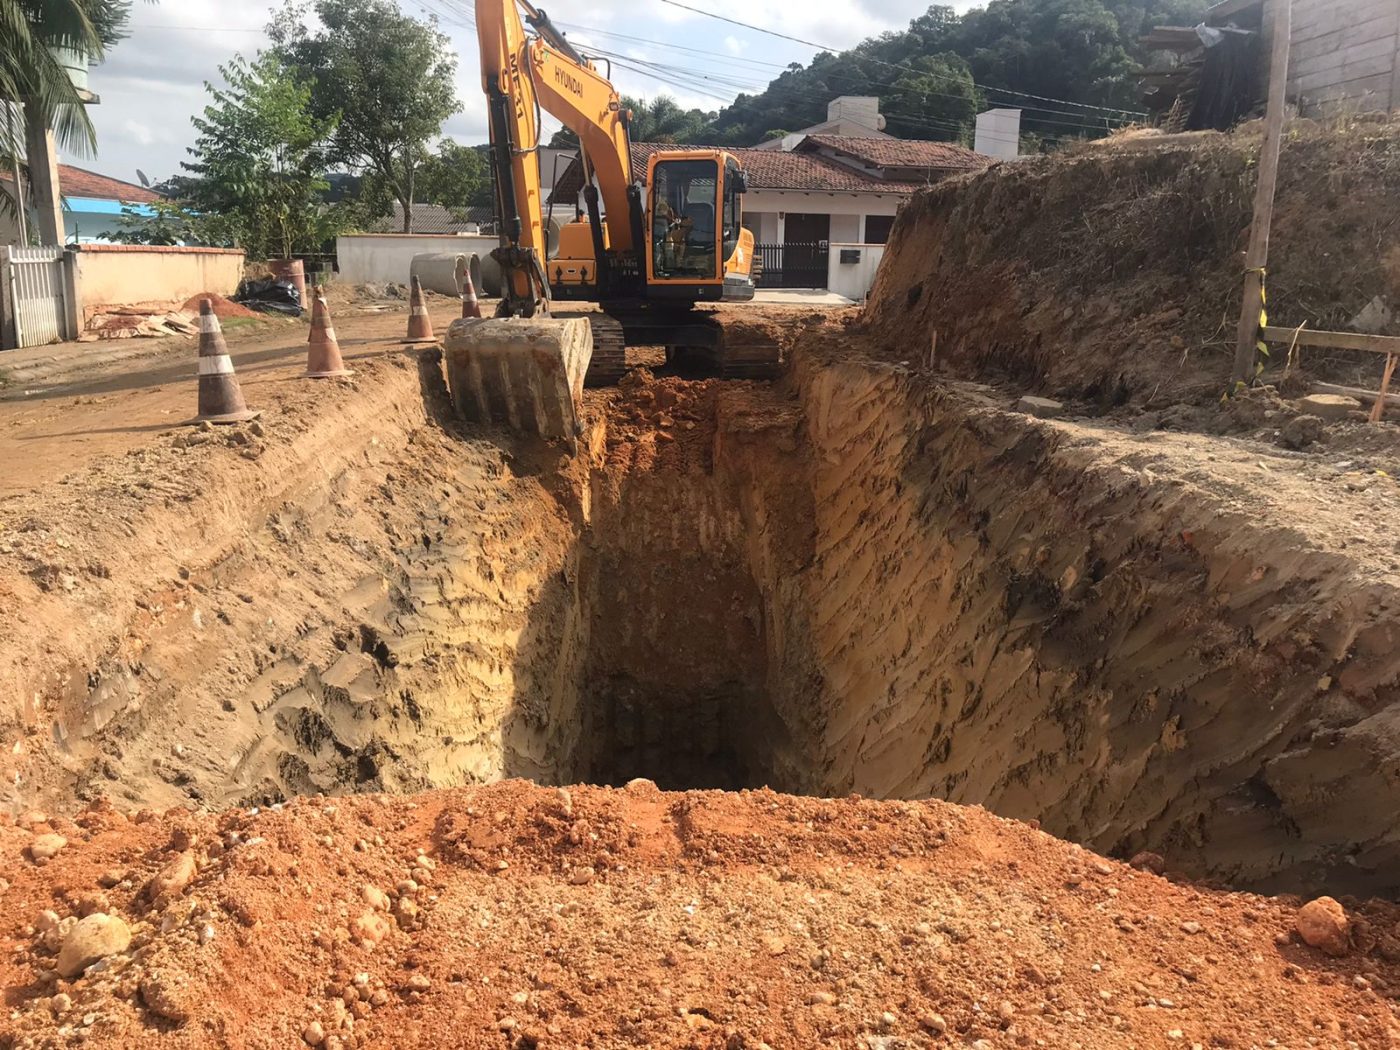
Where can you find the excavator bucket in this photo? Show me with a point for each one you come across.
(526, 374)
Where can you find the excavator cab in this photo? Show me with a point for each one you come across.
(697, 248)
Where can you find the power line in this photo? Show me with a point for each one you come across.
(465, 9)
(698, 81)
(894, 65)
(198, 29)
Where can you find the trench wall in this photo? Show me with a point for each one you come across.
(856, 584)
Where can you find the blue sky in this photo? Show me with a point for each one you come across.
(152, 83)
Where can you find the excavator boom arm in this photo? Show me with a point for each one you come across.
(520, 74)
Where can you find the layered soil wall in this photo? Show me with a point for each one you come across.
(854, 583)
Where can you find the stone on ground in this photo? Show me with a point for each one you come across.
(94, 938)
(1040, 407)
(1323, 924)
(1329, 406)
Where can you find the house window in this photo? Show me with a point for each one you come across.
(877, 228)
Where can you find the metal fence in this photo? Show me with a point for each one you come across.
(35, 285)
(795, 265)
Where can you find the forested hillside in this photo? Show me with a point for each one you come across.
(934, 77)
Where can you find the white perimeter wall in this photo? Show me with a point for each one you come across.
(853, 280)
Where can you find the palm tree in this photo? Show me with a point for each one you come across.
(34, 86)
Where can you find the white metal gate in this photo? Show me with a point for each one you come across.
(35, 288)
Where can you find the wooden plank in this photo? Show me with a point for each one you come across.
(1380, 50)
(1226, 10)
(1375, 344)
(1391, 400)
(1257, 255)
(1330, 15)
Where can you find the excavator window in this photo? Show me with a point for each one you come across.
(684, 212)
(733, 184)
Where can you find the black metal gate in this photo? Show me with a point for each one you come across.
(798, 265)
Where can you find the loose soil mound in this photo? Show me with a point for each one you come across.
(1113, 274)
(223, 308)
(514, 916)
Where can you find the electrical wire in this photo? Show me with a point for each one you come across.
(864, 83)
(838, 51)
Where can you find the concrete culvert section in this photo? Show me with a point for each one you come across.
(851, 583)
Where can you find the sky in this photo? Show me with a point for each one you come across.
(152, 83)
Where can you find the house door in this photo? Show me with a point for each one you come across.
(806, 245)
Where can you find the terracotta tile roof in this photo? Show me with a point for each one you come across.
(79, 182)
(900, 153)
(767, 169)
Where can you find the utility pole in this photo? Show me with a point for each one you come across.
(1257, 257)
(43, 176)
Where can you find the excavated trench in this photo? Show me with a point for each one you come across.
(853, 583)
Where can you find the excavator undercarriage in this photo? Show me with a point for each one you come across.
(529, 373)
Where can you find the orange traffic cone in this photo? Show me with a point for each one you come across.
(323, 360)
(220, 399)
(470, 307)
(420, 325)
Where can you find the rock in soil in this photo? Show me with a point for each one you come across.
(93, 938)
(1329, 406)
(1323, 924)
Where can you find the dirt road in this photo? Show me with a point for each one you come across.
(48, 429)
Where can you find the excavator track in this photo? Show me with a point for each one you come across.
(753, 359)
(609, 361)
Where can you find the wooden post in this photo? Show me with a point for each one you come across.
(1378, 409)
(1257, 257)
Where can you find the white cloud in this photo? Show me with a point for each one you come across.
(734, 45)
(140, 133)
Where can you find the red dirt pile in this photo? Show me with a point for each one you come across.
(521, 916)
(223, 308)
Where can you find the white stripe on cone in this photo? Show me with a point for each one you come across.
(208, 324)
(328, 334)
(219, 365)
(420, 311)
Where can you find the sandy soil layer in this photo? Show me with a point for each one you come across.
(517, 916)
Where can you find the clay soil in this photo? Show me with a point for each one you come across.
(520, 916)
(512, 915)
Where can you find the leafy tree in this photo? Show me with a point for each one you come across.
(388, 77)
(455, 177)
(34, 87)
(260, 158)
(1078, 50)
(935, 98)
(169, 222)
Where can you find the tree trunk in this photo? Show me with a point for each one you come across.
(408, 202)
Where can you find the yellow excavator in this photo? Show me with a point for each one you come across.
(645, 251)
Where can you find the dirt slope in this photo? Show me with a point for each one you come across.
(1112, 275)
(595, 918)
